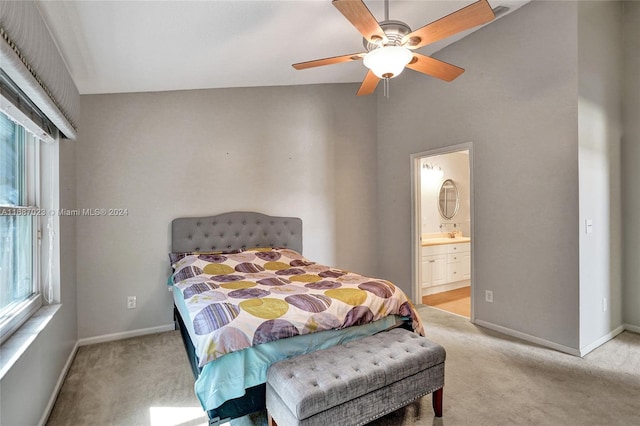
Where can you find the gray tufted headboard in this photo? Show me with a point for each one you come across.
(235, 230)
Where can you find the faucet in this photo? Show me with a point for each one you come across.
(452, 234)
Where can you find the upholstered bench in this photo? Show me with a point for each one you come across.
(357, 382)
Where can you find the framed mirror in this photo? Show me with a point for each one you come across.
(448, 199)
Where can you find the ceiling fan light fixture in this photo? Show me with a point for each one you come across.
(388, 61)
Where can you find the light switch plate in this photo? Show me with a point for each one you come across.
(588, 226)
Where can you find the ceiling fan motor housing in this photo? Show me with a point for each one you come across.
(394, 30)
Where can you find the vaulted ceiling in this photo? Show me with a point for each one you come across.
(139, 46)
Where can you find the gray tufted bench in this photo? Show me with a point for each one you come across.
(357, 382)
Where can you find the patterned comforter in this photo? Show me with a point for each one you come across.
(251, 297)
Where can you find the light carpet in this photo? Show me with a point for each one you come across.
(490, 379)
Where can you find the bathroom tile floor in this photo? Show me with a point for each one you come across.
(455, 301)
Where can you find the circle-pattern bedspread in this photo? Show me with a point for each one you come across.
(246, 298)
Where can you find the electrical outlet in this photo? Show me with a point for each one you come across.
(131, 302)
(488, 296)
(605, 305)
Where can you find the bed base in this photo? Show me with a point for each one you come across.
(252, 401)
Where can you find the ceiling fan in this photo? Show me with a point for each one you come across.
(389, 44)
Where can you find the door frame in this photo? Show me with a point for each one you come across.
(416, 216)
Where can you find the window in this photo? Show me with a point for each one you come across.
(20, 293)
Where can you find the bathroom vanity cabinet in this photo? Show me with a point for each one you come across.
(445, 264)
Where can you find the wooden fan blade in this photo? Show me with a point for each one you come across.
(369, 84)
(361, 17)
(475, 14)
(328, 61)
(434, 67)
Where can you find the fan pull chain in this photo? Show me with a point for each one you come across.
(386, 87)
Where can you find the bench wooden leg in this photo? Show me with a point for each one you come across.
(437, 402)
(271, 421)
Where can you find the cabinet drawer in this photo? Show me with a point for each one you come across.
(454, 272)
(454, 257)
(433, 250)
(456, 248)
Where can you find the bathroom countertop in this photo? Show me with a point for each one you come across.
(441, 241)
(443, 238)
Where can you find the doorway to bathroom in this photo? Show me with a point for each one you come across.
(442, 234)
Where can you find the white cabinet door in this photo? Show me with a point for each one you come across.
(439, 269)
(434, 270)
(426, 272)
(466, 265)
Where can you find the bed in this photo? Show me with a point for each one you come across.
(245, 297)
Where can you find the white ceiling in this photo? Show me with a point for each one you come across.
(139, 46)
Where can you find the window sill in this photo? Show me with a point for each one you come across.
(16, 345)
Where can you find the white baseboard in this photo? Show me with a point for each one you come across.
(529, 338)
(562, 348)
(604, 339)
(632, 328)
(125, 335)
(56, 389)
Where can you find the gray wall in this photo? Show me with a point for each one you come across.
(630, 162)
(27, 388)
(150, 152)
(600, 131)
(301, 151)
(517, 103)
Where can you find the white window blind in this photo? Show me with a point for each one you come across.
(20, 292)
(30, 57)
